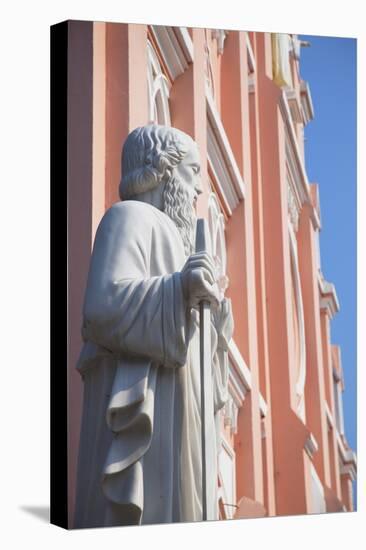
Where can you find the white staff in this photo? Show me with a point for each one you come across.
(207, 411)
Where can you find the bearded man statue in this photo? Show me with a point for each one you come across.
(140, 445)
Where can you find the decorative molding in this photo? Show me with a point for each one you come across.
(185, 41)
(221, 159)
(346, 455)
(210, 83)
(158, 87)
(240, 365)
(240, 378)
(175, 48)
(263, 429)
(294, 104)
(293, 153)
(340, 412)
(294, 160)
(237, 386)
(315, 201)
(251, 83)
(338, 407)
(336, 375)
(228, 448)
(281, 68)
(293, 207)
(306, 102)
(337, 365)
(296, 170)
(216, 224)
(328, 296)
(231, 410)
(263, 407)
(295, 47)
(239, 374)
(311, 445)
(251, 59)
(350, 470)
(329, 415)
(300, 383)
(220, 35)
(227, 494)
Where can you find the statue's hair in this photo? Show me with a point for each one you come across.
(148, 157)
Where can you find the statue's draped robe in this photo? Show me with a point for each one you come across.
(140, 445)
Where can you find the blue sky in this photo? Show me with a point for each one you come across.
(329, 66)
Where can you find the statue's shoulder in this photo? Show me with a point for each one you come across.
(130, 211)
(136, 218)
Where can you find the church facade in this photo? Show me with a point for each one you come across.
(240, 96)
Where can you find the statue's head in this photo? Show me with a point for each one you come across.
(161, 165)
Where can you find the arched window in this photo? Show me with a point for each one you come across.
(208, 64)
(226, 456)
(298, 327)
(158, 90)
(216, 226)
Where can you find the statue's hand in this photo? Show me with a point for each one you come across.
(223, 321)
(199, 280)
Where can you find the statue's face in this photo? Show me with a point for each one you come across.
(180, 195)
(188, 173)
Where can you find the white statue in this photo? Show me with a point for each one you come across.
(140, 445)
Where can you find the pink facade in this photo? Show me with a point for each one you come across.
(240, 96)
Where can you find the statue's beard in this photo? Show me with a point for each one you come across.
(177, 206)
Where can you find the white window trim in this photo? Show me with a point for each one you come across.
(221, 158)
(175, 47)
(158, 88)
(300, 383)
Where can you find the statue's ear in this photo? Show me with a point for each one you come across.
(168, 173)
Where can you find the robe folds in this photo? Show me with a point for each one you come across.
(140, 445)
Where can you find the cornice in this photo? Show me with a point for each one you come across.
(240, 366)
(220, 36)
(306, 102)
(293, 150)
(295, 162)
(294, 105)
(311, 445)
(315, 201)
(221, 158)
(241, 377)
(349, 469)
(186, 42)
(347, 456)
(329, 415)
(176, 48)
(251, 59)
(328, 296)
